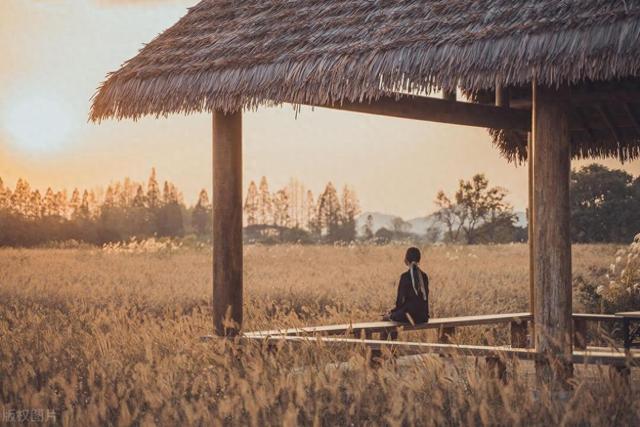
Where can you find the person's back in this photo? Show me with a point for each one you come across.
(412, 301)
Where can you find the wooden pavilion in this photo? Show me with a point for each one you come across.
(551, 81)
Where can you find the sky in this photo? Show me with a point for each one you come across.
(55, 53)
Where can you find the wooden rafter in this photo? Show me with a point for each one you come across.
(632, 116)
(442, 111)
(606, 116)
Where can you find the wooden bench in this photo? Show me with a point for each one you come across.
(446, 327)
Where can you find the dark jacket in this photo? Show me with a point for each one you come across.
(408, 302)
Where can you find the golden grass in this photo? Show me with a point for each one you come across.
(113, 339)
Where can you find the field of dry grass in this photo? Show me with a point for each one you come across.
(112, 338)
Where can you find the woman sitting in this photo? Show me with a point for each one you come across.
(412, 302)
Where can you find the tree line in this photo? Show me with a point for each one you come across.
(605, 206)
(128, 209)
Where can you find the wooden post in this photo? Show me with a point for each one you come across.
(580, 333)
(227, 222)
(530, 237)
(502, 96)
(552, 244)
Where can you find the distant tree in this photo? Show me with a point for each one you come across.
(201, 216)
(367, 228)
(60, 203)
(251, 204)
(169, 217)
(5, 196)
(281, 209)
(49, 202)
(153, 191)
(74, 204)
(35, 205)
(400, 225)
(329, 213)
(296, 194)
(20, 197)
(265, 210)
(474, 204)
(310, 217)
(350, 209)
(384, 235)
(84, 212)
(604, 205)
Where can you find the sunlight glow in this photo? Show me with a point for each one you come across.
(37, 122)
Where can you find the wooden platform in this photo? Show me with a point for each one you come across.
(358, 329)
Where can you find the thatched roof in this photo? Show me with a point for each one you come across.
(229, 55)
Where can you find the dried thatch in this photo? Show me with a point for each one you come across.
(229, 55)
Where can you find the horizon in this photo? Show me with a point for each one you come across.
(395, 165)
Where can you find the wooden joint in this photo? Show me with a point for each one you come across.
(445, 334)
(580, 333)
(519, 338)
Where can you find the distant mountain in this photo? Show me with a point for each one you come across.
(418, 225)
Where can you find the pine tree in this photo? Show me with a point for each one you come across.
(350, 209)
(265, 209)
(74, 204)
(310, 218)
(83, 211)
(153, 191)
(49, 204)
(251, 204)
(281, 209)
(329, 213)
(296, 193)
(20, 197)
(367, 228)
(35, 205)
(201, 216)
(5, 196)
(60, 204)
(109, 198)
(139, 200)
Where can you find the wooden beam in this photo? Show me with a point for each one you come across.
(606, 116)
(552, 240)
(440, 110)
(632, 116)
(227, 222)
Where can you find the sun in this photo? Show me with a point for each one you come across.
(37, 123)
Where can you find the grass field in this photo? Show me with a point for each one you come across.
(104, 338)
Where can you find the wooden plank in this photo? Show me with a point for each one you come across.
(440, 110)
(592, 355)
(227, 222)
(552, 243)
(381, 326)
(597, 317)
